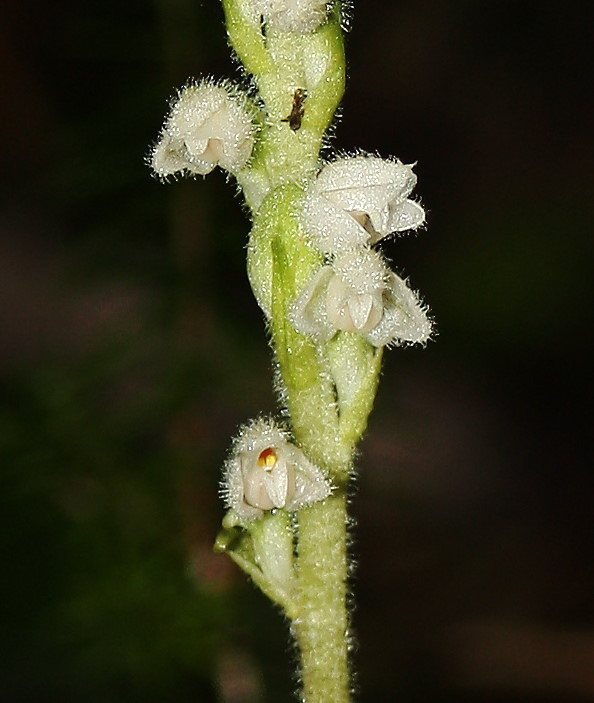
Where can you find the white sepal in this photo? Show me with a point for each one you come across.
(358, 200)
(330, 228)
(405, 318)
(209, 125)
(266, 471)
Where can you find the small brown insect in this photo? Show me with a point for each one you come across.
(297, 111)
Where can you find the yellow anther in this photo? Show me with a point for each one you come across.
(267, 458)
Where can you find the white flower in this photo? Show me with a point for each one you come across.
(299, 16)
(358, 293)
(266, 471)
(358, 200)
(208, 125)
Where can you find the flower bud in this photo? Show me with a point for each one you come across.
(266, 471)
(358, 200)
(209, 125)
(358, 293)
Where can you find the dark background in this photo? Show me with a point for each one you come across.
(131, 349)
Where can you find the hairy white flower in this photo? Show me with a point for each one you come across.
(209, 124)
(266, 471)
(358, 200)
(358, 293)
(299, 16)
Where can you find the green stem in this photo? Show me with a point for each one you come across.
(321, 626)
(246, 38)
(281, 64)
(321, 629)
(329, 391)
(327, 405)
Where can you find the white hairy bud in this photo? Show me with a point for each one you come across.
(299, 16)
(266, 471)
(358, 200)
(209, 125)
(358, 293)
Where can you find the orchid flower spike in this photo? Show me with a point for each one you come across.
(266, 471)
(359, 293)
(298, 16)
(358, 200)
(209, 125)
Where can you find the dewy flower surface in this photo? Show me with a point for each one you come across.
(209, 125)
(266, 471)
(358, 293)
(358, 200)
(299, 16)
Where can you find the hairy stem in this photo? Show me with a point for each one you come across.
(321, 628)
(327, 415)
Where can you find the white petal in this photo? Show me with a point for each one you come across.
(212, 149)
(259, 434)
(360, 307)
(353, 299)
(361, 270)
(311, 485)
(357, 200)
(255, 491)
(233, 489)
(329, 227)
(365, 311)
(169, 156)
(405, 215)
(365, 183)
(404, 320)
(337, 299)
(280, 483)
(350, 311)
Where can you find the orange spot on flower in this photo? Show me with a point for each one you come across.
(267, 458)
